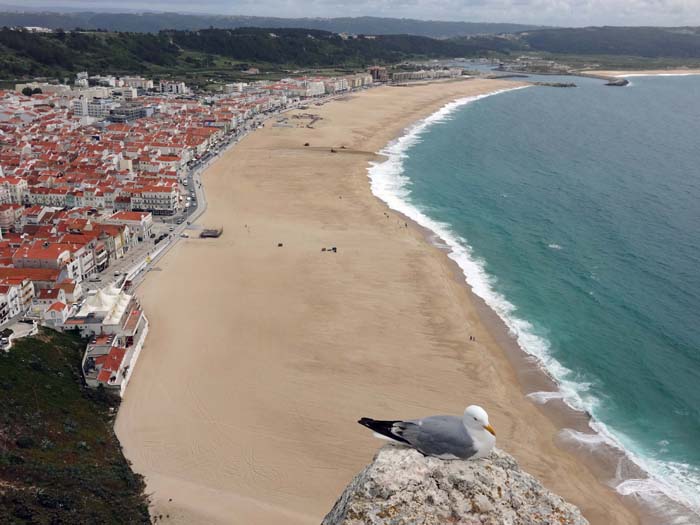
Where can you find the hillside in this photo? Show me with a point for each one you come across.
(57, 54)
(154, 22)
(651, 42)
(322, 48)
(60, 461)
(220, 53)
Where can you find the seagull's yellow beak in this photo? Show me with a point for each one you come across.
(490, 429)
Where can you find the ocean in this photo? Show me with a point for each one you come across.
(575, 215)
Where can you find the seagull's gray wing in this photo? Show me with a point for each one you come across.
(441, 436)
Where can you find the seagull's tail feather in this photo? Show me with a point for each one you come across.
(383, 428)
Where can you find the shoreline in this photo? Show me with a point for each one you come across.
(580, 433)
(539, 463)
(621, 74)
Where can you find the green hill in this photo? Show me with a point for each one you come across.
(220, 53)
(23, 53)
(651, 42)
(60, 461)
(154, 22)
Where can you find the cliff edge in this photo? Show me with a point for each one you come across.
(402, 487)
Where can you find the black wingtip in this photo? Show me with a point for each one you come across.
(385, 428)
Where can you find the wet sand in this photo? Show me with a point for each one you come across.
(261, 358)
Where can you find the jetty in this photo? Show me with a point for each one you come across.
(555, 84)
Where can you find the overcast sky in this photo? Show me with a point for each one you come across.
(551, 12)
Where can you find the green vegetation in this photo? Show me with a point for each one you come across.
(35, 54)
(220, 52)
(154, 22)
(60, 461)
(206, 55)
(621, 62)
(649, 42)
(304, 47)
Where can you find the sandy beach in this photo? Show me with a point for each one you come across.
(643, 72)
(261, 358)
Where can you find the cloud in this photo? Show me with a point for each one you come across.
(551, 12)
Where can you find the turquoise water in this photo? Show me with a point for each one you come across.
(575, 213)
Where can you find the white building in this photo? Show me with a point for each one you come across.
(81, 79)
(118, 326)
(314, 88)
(12, 296)
(16, 187)
(336, 85)
(160, 200)
(175, 88)
(137, 82)
(236, 87)
(139, 222)
(98, 108)
(127, 93)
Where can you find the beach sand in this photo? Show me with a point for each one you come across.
(643, 72)
(261, 358)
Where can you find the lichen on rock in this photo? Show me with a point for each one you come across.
(403, 487)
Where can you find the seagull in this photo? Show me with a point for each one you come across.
(445, 437)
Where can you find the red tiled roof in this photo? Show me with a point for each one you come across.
(111, 361)
(57, 307)
(48, 293)
(33, 274)
(130, 215)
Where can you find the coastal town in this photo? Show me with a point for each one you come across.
(97, 180)
(239, 243)
(101, 176)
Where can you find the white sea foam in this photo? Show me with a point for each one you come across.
(676, 481)
(582, 438)
(542, 397)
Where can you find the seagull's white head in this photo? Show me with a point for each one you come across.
(476, 417)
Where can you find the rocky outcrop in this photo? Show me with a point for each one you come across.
(402, 487)
(618, 82)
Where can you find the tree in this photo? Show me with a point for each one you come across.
(27, 92)
(37, 91)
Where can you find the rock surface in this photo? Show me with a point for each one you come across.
(402, 487)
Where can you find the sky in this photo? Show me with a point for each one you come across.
(546, 12)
